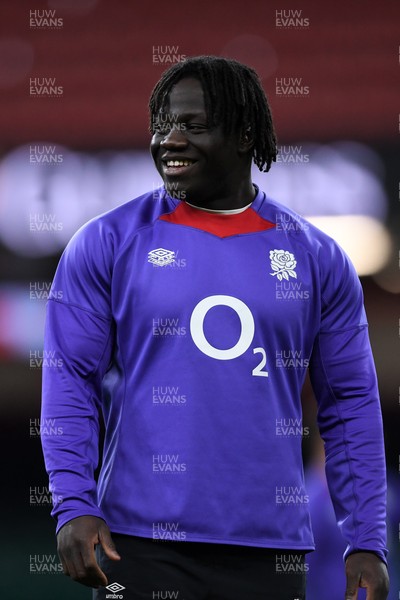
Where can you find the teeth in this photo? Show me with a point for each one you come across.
(178, 163)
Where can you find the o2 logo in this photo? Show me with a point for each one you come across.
(246, 334)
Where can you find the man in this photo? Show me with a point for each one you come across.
(173, 297)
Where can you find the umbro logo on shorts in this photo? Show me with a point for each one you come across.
(115, 587)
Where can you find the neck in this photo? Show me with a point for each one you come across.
(221, 202)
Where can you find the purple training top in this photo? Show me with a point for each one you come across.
(192, 332)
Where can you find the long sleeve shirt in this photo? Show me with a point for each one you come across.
(191, 333)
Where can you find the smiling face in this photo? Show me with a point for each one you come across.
(198, 162)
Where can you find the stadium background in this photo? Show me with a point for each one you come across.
(80, 147)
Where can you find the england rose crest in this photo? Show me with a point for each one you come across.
(283, 264)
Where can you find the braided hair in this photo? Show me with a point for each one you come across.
(234, 98)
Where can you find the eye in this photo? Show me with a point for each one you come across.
(196, 127)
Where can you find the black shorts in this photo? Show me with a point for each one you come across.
(159, 570)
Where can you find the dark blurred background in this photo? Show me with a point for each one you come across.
(75, 78)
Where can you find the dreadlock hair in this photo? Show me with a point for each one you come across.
(234, 98)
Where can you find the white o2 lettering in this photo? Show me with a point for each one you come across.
(257, 371)
(246, 334)
(246, 321)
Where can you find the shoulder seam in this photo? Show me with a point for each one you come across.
(72, 305)
(135, 232)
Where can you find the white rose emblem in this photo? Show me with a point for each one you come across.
(283, 264)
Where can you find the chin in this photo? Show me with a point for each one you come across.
(177, 190)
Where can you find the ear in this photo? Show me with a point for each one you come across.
(246, 140)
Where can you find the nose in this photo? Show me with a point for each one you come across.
(174, 139)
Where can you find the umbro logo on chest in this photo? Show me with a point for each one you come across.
(161, 257)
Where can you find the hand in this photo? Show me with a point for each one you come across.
(366, 570)
(75, 544)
